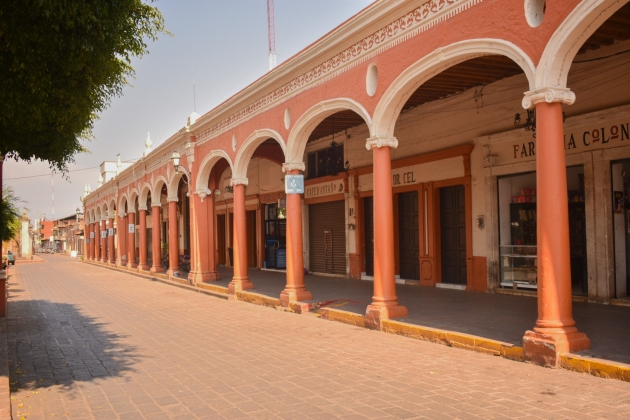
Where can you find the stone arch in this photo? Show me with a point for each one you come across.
(173, 183)
(112, 208)
(206, 167)
(304, 126)
(97, 213)
(145, 190)
(131, 205)
(246, 151)
(156, 192)
(104, 210)
(396, 95)
(122, 202)
(555, 62)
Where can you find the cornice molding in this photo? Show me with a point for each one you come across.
(548, 95)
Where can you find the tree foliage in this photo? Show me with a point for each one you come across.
(61, 62)
(10, 214)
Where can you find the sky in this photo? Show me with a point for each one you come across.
(220, 46)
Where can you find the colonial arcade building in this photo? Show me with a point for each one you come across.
(417, 169)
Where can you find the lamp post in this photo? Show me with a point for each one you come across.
(175, 158)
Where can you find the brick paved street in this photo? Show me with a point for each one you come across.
(87, 342)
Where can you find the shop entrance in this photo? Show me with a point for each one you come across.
(327, 237)
(275, 237)
(453, 234)
(368, 211)
(221, 239)
(518, 237)
(620, 175)
(252, 251)
(409, 236)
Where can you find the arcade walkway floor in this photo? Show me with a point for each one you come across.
(498, 317)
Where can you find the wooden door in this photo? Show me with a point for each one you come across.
(409, 244)
(221, 239)
(252, 256)
(368, 211)
(453, 234)
(327, 237)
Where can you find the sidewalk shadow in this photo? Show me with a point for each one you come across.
(55, 343)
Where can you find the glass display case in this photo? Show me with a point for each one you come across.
(519, 268)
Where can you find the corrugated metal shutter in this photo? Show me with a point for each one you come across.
(327, 237)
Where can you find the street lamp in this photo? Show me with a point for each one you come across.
(175, 158)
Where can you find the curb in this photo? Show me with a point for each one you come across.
(596, 367)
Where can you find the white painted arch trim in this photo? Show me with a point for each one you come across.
(246, 151)
(206, 167)
(304, 126)
(566, 41)
(131, 205)
(396, 95)
(121, 202)
(173, 183)
(144, 193)
(157, 188)
(112, 208)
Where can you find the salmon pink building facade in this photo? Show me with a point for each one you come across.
(467, 144)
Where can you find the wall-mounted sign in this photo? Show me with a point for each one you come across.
(91, 235)
(87, 241)
(104, 234)
(132, 228)
(324, 189)
(111, 231)
(294, 184)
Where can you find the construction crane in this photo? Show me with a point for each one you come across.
(272, 35)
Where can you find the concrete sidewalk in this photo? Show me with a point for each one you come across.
(497, 317)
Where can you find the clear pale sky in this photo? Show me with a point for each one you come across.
(220, 44)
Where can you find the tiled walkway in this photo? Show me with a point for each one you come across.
(498, 317)
(90, 343)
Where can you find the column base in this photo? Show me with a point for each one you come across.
(175, 273)
(544, 348)
(200, 277)
(238, 285)
(374, 314)
(158, 270)
(132, 266)
(289, 296)
(144, 267)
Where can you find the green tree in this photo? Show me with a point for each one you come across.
(9, 212)
(61, 62)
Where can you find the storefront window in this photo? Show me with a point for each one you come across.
(518, 236)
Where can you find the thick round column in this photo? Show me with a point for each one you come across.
(144, 265)
(201, 237)
(110, 242)
(384, 302)
(131, 242)
(240, 281)
(555, 330)
(295, 289)
(173, 240)
(121, 236)
(156, 240)
(97, 242)
(103, 241)
(88, 235)
(210, 232)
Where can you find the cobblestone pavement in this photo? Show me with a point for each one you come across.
(87, 342)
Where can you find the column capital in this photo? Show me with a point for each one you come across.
(110, 216)
(238, 181)
(379, 141)
(131, 212)
(140, 208)
(293, 166)
(549, 95)
(156, 204)
(122, 214)
(172, 199)
(203, 193)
